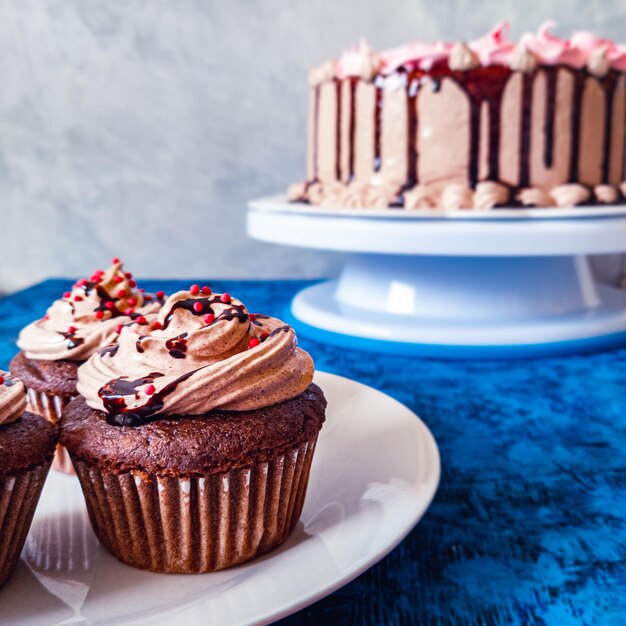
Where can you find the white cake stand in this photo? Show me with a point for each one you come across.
(507, 282)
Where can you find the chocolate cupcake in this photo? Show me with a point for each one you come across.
(27, 444)
(193, 436)
(84, 320)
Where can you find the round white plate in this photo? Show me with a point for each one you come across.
(375, 472)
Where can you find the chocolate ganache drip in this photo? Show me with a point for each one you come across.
(202, 351)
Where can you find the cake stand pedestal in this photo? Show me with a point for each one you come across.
(502, 283)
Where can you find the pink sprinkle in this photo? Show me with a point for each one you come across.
(209, 318)
(225, 298)
(150, 389)
(197, 307)
(253, 343)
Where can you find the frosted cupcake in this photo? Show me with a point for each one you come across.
(27, 444)
(193, 436)
(84, 320)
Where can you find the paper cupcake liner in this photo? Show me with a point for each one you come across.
(18, 498)
(193, 525)
(51, 407)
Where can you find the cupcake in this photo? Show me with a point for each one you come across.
(27, 444)
(84, 320)
(193, 435)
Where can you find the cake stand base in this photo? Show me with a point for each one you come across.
(463, 307)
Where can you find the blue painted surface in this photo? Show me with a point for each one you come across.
(529, 524)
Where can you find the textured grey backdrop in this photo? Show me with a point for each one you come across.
(140, 128)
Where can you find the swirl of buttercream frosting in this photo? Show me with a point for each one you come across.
(322, 73)
(202, 351)
(606, 194)
(419, 198)
(570, 195)
(463, 58)
(522, 59)
(457, 196)
(489, 194)
(86, 318)
(359, 62)
(535, 197)
(12, 398)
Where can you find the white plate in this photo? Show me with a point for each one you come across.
(375, 471)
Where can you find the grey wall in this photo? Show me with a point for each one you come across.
(140, 128)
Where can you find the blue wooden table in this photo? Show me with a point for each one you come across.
(529, 524)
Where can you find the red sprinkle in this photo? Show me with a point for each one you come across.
(194, 290)
(109, 304)
(71, 330)
(147, 298)
(82, 282)
(133, 283)
(115, 261)
(141, 320)
(128, 275)
(251, 317)
(206, 290)
(46, 317)
(209, 318)
(118, 328)
(225, 298)
(197, 307)
(67, 294)
(160, 294)
(118, 279)
(157, 325)
(253, 343)
(132, 301)
(121, 293)
(150, 389)
(99, 315)
(129, 311)
(77, 298)
(1, 380)
(264, 335)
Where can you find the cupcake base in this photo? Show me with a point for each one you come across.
(50, 407)
(197, 524)
(18, 498)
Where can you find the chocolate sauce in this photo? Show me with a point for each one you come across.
(338, 87)
(111, 350)
(378, 112)
(551, 74)
(232, 312)
(113, 395)
(72, 342)
(352, 129)
(608, 84)
(577, 94)
(316, 129)
(138, 345)
(412, 89)
(528, 81)
(177, 346)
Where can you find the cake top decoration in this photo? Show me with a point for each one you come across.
(12, 398)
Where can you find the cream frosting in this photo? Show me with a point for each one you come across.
(582, 49)
(606, 194)
(489, 194)
(535, 197)
(201, 352)
(12, 398)
(87, 317)
(457, 196)
(570, 195)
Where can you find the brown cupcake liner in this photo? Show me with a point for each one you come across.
(193, 525)
(50, 407)
(19, 495)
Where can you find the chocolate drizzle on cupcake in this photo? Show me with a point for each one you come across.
(201, 352)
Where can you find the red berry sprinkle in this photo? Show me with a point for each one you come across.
(194, 290)
(133, 283)
(129, 311)
(264, 335)
(82, 282)
(118, 328)
(128, 275)
(115, 261)
(71, 330)
(160, 294)
(121, 293)
(157, 325)
(209, 318)
(251, 317)
(206, 291)
(147, 298)
(197, 307)
(132, 301)
(1, 380)
(67, 294)
(225, 298)
(141, 320)
(99, 315)
(77, 298)
(118, 279)
(109, 304)
(150, 389)
(253, 343)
